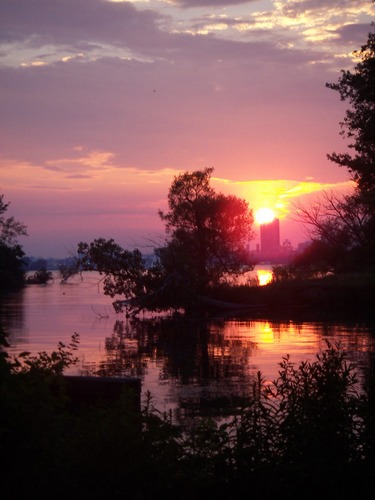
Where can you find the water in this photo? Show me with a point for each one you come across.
(186, 366)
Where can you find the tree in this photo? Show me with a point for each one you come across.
(209, 232)
(338, 225)
(123, 270)
(358, 88)
(343, 227)
(10, 229)
(40, 277)
(207, 237)
(11, 254)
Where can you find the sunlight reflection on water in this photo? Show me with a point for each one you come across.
(181, 364)
(264, 276)
(261, 275)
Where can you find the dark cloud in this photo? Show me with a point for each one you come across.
(87, 26)
(76, 21)
(212, 3)
(354, 34)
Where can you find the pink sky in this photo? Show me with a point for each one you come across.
(103, 102)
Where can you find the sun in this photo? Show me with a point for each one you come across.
(264, 215)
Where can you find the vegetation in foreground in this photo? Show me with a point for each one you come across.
(309, 434)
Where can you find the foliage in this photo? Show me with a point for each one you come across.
(307, 427)
(340, 229)
(44, 363)
(343, 227)
(123, 270)
(310, 428)
(11, 253)
(10, 229)
(207, 234)
(124, 274)
(40, 277)
(340, 221)
(317, 410)
(358, 88)
(11, 267)
(69, 270)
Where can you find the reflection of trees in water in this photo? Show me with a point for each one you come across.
(129, 348)
(12, 316)
(222, 379)
(203, 367)
(207, 367)
(196, 353)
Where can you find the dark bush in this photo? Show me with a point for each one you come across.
(308, 433)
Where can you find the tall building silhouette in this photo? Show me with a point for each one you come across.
(270, 237)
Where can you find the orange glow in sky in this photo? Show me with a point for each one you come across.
(98, 119)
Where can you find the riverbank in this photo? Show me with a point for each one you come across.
(349, 295)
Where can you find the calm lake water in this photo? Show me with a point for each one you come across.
(184, 365)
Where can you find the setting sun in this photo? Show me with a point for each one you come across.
(264, 215)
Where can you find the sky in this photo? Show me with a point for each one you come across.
(103, 102)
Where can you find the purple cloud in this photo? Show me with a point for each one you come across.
(355, 34)
(76, 21)
(212, 3)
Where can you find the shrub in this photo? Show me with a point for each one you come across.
(310, 430)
